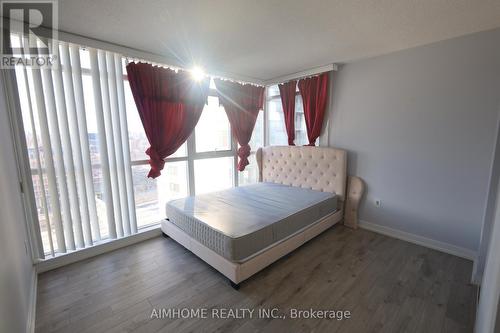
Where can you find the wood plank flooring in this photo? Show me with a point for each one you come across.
(388, 285)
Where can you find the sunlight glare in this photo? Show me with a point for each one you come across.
(197, 73)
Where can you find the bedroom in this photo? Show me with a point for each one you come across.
(314, 166)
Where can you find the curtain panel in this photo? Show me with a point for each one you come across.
(287, 93)
(314, 91)
(242, 103)
(169, 104)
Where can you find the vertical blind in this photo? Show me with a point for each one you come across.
(55, 114)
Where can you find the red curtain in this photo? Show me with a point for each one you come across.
(242, 103)
(169, 104)
(314, 91)
(287, 93)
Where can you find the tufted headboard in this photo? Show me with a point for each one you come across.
(318, 168)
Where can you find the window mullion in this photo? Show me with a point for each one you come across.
(191, 152)
(234, 148)
(266, 119)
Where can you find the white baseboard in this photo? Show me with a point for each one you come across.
(30, 325)
(420, 240)
(69, 258)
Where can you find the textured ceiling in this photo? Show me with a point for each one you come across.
(265, 39)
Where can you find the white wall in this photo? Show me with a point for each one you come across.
(490, 286)
(489, 213)
(420, 127)
(16, 269)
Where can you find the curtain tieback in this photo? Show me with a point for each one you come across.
(243, 153)
(156, 162)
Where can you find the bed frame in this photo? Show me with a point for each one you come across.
(318, 168)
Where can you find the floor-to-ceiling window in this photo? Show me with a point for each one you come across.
(86, 148)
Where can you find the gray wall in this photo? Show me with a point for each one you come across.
(420, 127)
(16, 269)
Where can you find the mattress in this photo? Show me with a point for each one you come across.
(239, 222)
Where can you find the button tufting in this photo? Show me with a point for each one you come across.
(307, 167)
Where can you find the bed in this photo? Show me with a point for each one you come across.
(239, 231)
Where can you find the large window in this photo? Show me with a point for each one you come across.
(204, 163)
(276, 121)
(86, 151)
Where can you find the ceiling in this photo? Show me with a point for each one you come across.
(265, 39)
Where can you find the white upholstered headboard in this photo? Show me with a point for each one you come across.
(318, 168)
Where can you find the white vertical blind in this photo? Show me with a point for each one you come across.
(75, 145)
(103, 146)
(55, 207)
(110, 140)
(125, 145)
(83, 157)
(74, 75)
(32, 126)
(55, 136)
(118, 154)
(62, 115)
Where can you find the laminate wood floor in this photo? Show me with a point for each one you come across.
(388, 285)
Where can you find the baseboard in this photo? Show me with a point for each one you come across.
(69, 258)
(419, 240)
(30, 325)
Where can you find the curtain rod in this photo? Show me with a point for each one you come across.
(302, 74)
(137, 54)
(179, 68)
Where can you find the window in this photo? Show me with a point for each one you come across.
(251, 173)
(151, 195)
(86, 148)
(213, 131)
(213, 174)
(277, 131)
(276, 121)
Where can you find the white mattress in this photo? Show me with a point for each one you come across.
(239, 222)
